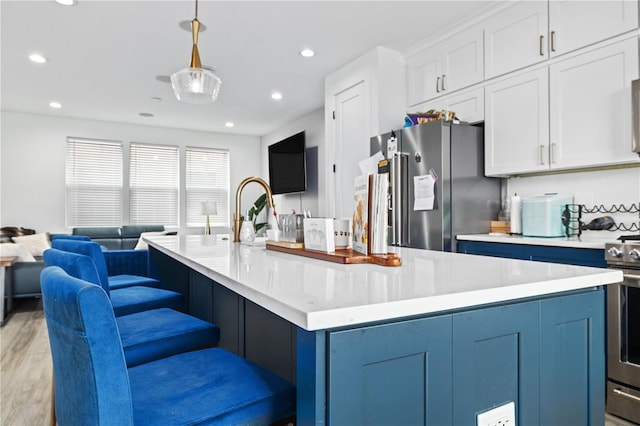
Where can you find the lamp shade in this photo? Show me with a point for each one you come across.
(209, 207)
(196, 85)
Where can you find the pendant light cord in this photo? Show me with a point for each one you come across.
(196, 9)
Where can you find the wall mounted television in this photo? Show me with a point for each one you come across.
(287, 165)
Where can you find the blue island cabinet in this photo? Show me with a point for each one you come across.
(547, 356)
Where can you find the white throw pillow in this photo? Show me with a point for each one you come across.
(9, 249)
(144, 246)
(36, 243)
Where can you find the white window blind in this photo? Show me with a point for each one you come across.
(93, 183)
(207, 179)
(153, 184)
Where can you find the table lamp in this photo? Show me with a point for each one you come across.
(208, 207)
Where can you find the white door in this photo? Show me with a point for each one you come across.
(468, 105)
(351, 143)
(574, 24)
(590, 101)
(423, 76)
(517, 124)
(516, 38)
(462, 61)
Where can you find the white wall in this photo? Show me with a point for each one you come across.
(606, 187)
(313, 125)
(32, 160)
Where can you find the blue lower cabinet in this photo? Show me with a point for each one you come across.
(392, 374)
(572, 366)
(566, 255)
(496, 360)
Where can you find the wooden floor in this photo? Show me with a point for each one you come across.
(25, 368)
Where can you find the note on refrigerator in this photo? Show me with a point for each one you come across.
(423, 190)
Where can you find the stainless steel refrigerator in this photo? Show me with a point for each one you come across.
(464, 200)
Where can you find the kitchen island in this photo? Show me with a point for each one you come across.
(437, 340)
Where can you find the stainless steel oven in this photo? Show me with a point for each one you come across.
(623, 331)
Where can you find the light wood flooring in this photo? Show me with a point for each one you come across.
(25, 368)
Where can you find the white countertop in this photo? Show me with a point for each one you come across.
(588, 239)
(316, 294)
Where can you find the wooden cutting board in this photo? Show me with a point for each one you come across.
(345, 256)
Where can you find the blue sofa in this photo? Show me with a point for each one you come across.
(118, 241)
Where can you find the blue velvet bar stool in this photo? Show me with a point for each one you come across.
(127, 300)
(94, 386)
(147, 335)
(66, 242)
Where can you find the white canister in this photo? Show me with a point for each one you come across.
(342, 232)
(516, 215)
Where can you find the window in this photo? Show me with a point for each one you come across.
(207, 179)
(153, 184)
(93, 183)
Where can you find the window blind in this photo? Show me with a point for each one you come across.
(207, 179)
(93, 183)
(153, 184)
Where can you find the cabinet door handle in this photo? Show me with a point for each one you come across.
(438, 84)
(541, 45)
(552, 154)
(553, 41)
(627, 395)
(541, 155)
(443, 76)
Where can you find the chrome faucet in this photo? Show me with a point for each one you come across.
(236, 215)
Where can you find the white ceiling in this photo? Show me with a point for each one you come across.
(104, 56)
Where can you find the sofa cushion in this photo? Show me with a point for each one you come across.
(12, 249)
(36, 243)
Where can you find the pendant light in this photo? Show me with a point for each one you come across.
(195, 84)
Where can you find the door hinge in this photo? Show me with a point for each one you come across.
(334, 114)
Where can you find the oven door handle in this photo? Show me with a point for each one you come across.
(626, 395)
(627, 277)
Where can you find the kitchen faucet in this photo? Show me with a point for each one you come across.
(236, 215)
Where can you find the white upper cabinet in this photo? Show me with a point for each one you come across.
(590, 104)
(453, 64)
(517, 124)
(529, 32)
(516, 38)
(574, 24)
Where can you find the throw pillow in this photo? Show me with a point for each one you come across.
(36, 243)
(19, 250)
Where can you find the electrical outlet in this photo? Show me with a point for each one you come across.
(504, 415)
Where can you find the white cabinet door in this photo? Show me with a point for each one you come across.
(517, 124)
(351, 141)
(590, 103)
(450, 66)
(574, 24)
(423, 81)
(462, 61)
(468, 104)
(516, 38)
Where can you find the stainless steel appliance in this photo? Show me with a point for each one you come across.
(623, 330)
(465, 200)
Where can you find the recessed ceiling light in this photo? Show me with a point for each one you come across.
(307, 53)
(56, 105)
(229, 124)
(65, 2)
(145, 114)
(156, 99)
(37, 58)
(163, 78)
(276, 95)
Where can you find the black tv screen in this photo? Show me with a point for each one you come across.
(287, 165)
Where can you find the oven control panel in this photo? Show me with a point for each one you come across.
(623, 254)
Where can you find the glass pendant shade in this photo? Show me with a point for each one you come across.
(196, 85)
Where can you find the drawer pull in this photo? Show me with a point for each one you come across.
(626, 395)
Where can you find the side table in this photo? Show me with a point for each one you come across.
(6, 283)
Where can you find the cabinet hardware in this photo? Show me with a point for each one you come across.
(443, 76)
(334, 114)
(553, 41)
(541, 45)
(552, 154)
(627, 395)
(438, 84)
(541, 155)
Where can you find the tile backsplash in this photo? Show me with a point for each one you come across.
(591, 188)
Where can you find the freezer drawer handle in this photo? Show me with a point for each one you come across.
(626, 395)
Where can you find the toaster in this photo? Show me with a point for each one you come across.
(542, 215)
